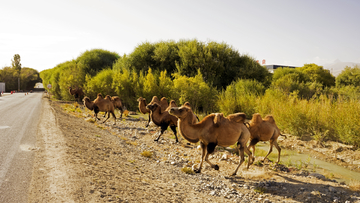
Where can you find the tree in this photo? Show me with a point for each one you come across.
(15, 63)
(318, 74)
(349, 76)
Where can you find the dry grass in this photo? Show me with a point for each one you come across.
(147, 154)
(187, 170)
(354, 185)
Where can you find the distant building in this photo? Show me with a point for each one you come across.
(2, 87)
(272, 68)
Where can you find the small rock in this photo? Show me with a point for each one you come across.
(317, 175)
(331, 189)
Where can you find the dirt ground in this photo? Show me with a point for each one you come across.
(79, 160)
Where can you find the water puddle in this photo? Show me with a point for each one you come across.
(297, 160)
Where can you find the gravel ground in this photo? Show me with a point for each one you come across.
(79, 160)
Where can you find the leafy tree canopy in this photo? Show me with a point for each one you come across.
(349, 76)
(318, 74)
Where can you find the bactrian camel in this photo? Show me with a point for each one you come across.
(117, 104)
(142, 106)
(214, 129)
(143, 109)
(100, 104)
(162, 119)
(77, 92)
(264, 130)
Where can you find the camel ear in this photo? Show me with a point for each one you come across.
(217, 118)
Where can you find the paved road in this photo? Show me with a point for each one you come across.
(19, 119)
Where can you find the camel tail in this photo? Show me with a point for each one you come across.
(283, 135)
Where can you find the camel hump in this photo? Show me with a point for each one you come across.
(256, 118)
(108, 97)
(155, 99)
(270, 119)
(237, 117)
(99, 95)
(217, 118)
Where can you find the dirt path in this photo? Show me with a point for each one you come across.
(82, 161)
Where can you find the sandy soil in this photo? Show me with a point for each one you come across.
(84, 161)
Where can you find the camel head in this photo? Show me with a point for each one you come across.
(153, 106)
(181, 112)
(141, 99)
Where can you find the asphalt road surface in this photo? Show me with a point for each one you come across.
(19, 119)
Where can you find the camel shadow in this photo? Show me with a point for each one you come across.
(296, 190)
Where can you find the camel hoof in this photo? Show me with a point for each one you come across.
(216, 167)
(234, 174)
(197, 171)
(156, 140)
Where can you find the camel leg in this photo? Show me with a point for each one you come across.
(173, 128)
(270, 150)
(106, 118)
(253, 142)
(113, 116)
(251, 158)
(161, 132)
(105, 114)
(203, 154)
(147, 125)
(96, 111)
(241, 156)
(210, 149)
(279, 150)
(121, 112)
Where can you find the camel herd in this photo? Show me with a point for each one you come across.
(215, 129)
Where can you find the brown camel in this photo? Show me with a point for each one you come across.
(162, 119)
(100, 104)
(143, 109)
(264, 130)
(117, 104)
(77, 92)
(214, 129)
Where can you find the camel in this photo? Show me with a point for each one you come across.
(162, 119)
(100, 104)
(155, 99)
(117, 104)
(264, 130)
(214, 129)
(143, 109)
(77, 92)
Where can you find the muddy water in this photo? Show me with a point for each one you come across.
(295, 159)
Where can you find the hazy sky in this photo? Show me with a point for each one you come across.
(287, 32)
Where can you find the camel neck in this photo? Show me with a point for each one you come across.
(156, 116)
(191, 132)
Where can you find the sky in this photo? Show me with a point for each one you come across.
(285, 32)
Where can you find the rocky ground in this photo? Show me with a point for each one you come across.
(80, 160)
